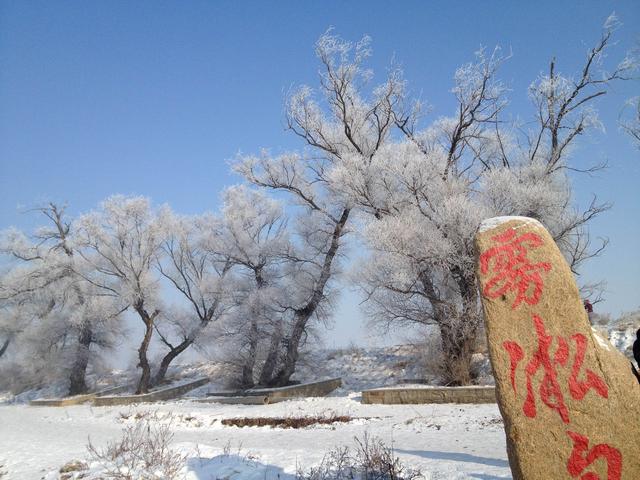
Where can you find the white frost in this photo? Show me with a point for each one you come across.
(449, 441)
(494, 222)
(601, 341)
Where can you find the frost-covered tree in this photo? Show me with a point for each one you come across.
(631, 124)
(433, 189)
(195, 262)
(47, 304)
(121, 242)
(339, 126)
(39, 342)
(421, 230)
(255, 241)
(8, 328)
(564, 111)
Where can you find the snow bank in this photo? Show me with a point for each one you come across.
(494, 222)
(444, 441)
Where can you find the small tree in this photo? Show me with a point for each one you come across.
(343, 128)
(195, 263)
(121, 242)
(255, 240)
(46, 296)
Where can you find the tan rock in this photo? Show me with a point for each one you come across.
(569, 400)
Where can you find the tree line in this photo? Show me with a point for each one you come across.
(256, 277)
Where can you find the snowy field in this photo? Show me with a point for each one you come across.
(443, 441)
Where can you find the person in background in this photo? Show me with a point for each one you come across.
(588, 307)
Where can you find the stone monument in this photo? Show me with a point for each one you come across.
(569, 399)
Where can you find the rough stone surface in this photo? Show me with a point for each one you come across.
(264, 396)
(77, 399)
(156, 396)
(569, 400)
(400, 395)
(62, 402)
(321, 388)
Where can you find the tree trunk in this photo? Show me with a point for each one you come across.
(182, 346)
(457, 349)
(288, 367)
(457, 328)
(5, 345)
(168, 358)
(250, 358)
(458, 332)
(272, 357)
(248, 367)
(145, 378)
(77, 383)
(303, 314)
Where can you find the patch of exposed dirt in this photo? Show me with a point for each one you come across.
(290, 422)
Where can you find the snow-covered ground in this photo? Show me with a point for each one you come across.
(444, 441)
(362, 369)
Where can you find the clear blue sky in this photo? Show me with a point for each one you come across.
(153, 98)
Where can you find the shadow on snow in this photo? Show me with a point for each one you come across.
(457, 457)
(235, 467)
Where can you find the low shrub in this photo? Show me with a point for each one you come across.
(370, 459)
(282, 422)
(143, 452)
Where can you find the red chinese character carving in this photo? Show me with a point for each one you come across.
(581, 457)
(580, 388)
(515, 355)
(513, 271)
(549, 390)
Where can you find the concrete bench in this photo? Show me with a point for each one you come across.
(404, 395)
(77, 399)
(155, 396)
(254, 396)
